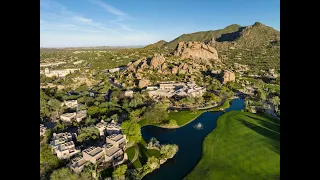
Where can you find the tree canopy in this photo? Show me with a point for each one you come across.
(132, 131)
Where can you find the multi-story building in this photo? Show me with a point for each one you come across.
(113, 128)
(63, 146)
(93, 154)
(66, 150)
(77, 164)
(118, 140)
(102, 127)
(112, 152)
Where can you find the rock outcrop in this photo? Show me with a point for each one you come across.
(143, 83)
(228, 76)
(133, 66)
(157, 61)
(195, 50)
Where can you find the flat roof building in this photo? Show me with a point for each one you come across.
(93, 154)
(77, 164)
(68, 117)
(118, 140)
(81, 115)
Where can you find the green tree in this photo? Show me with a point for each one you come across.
(153, 162)
(275, 100)
(48, 161)
(136, 101)
(89, 121)
(132, 130)
(136, 114)
(54, 104)
(262, 94)
(172, 122)
(87, 134)
(156, 113)
(115, 117)
(63, 173)
(168, 150)
(93, 110)
(119, 172)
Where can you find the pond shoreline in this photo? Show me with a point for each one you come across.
(189, 140)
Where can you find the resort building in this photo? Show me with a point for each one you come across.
(66, 150)
(93, 154)
(70, 104)
(63, 146)
(51, 64)
(102, 127)
(118, 140)
(77, 164)
(68, 117)
(152, 88)
(113, 128)
(171, 86)
(177, 89)
(58, 73)
(43, 129)
(81, 115)
(114, 154)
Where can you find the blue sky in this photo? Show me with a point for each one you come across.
(74, 23)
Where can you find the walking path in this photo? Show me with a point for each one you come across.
(136, 154)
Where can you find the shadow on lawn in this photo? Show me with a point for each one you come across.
(269, 130)
(144, 154)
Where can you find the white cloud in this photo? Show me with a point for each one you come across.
(109, 8)
(121, 16)
(61, 27)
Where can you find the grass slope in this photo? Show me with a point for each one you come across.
(144, 153)
(184, 117)
(243, 146)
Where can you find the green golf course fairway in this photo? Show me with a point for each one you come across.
(242, 146)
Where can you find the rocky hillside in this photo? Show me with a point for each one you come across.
(202, 36)
(158, 44)
(257, 46)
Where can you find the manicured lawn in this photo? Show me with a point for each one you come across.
(225, 105)
(242, 146)
(130, 152)
(183, 117)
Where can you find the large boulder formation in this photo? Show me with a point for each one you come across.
(228, 76)
(195, 50)
(174, 70)
(157, 61)
(133, 66)
(143, 83)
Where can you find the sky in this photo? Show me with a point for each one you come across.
(83, 23)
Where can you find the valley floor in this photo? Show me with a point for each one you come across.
(242, 146)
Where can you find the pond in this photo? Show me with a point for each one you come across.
(189, 138)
